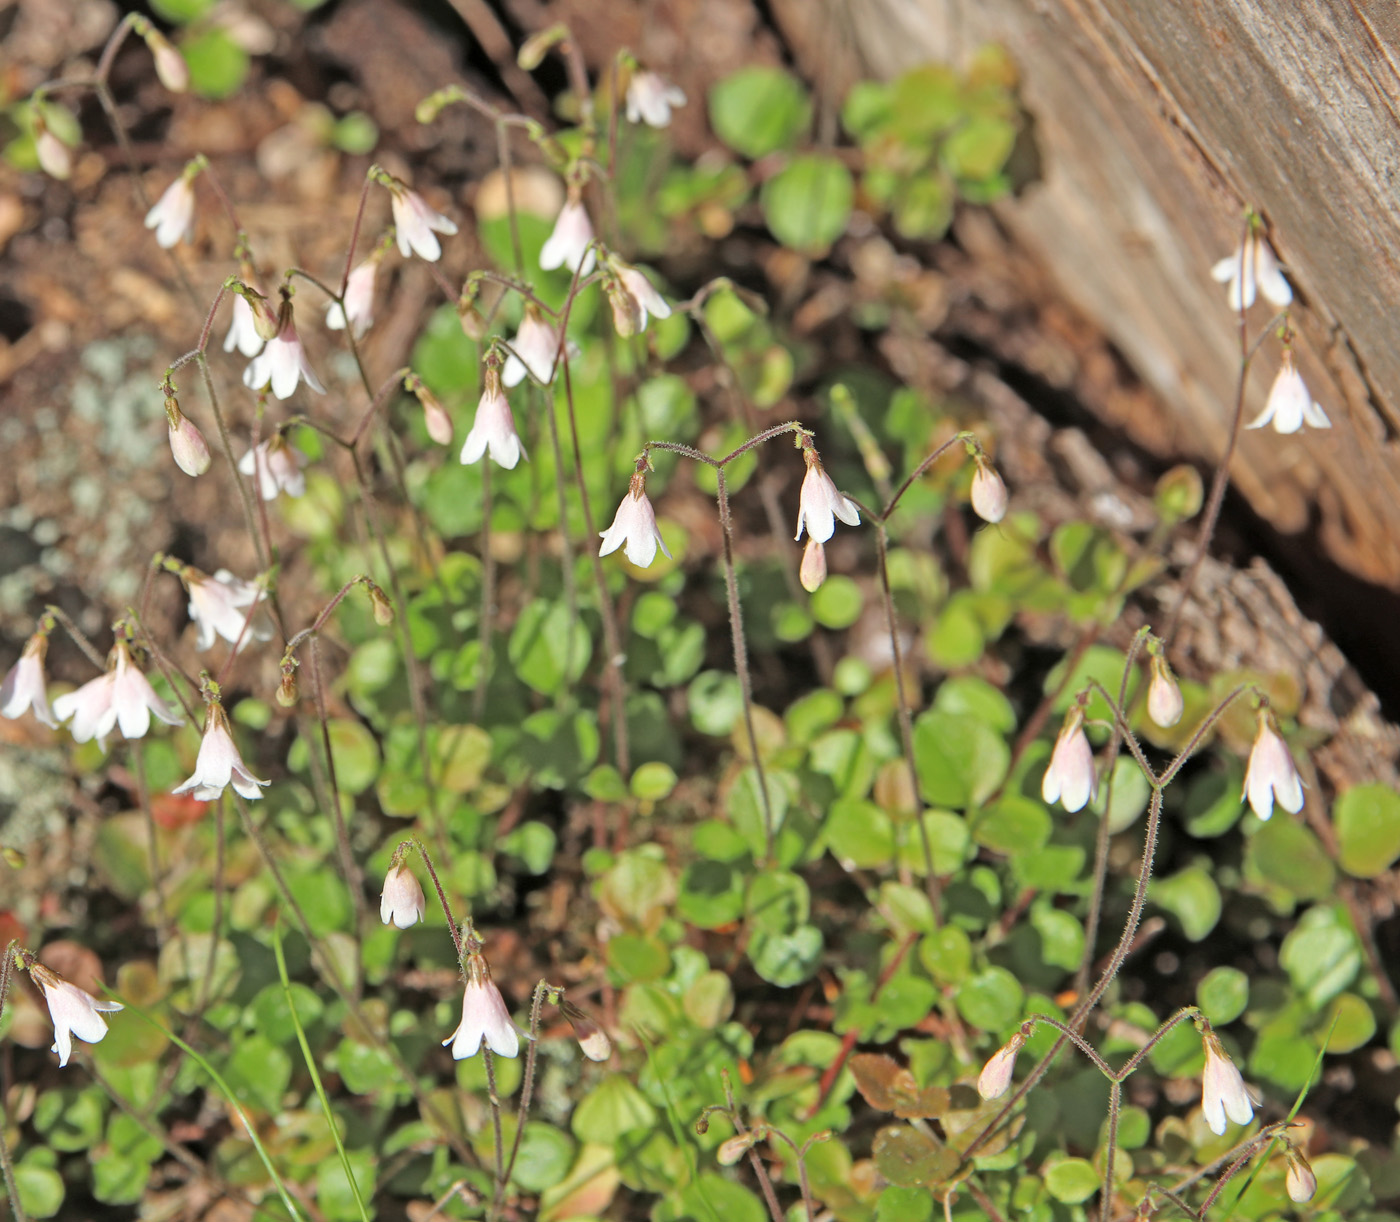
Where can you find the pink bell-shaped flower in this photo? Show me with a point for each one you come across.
(219, 764)
(634, 527)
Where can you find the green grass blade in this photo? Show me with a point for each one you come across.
(315, 1075)
(228, 1094)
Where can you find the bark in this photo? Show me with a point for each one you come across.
(1156, 124)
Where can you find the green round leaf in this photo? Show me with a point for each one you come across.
(654, 781)
(1192, 897)
(716, 702)
(1072, 1181)
(758, 110)
(546, 650)
(808, 203)
(979, 148)
(40, 1187)
(1355, 1024)
(1287, 855)
(1223, 995)
(1367, 820)
(545, 1156)
(218, 65)
(961, 761)
(786, 959)
(181, 12)
(837, 603)
(991, 1000)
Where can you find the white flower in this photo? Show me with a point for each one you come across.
(820, 504)
(218, 764)
(569, 244)
(283, 363)
(995, 1077)
(187, 445)
(415, 223)
(1222, 1089)
(533, 350)
(988, 493)
(74, 1011)
(1290, 405)
(1271, 773)
(1071, 779)
(278, 466)
(402, 901)
(243, 330)
(359, 301)
(484, 1017)
(24, 686)
(1253, 265)
(635, 526)
(219, 606)
(172, 215)
(813, 570)
(123, 697)
(1164, 702)
(633, 298)
(493, 429)
(650, 99)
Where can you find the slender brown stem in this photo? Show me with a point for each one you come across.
(741, 657)
(6, 1163)
(611, 638)
(353, 879)
(493, 1096)
(906, 722)
(528, 1080)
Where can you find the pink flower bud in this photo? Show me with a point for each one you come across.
(813, 570)
(170, 65)
(988, 493)
(995, 1077)
(187, 444)
(1164, 701)
(54, 158)
(1300, 1181)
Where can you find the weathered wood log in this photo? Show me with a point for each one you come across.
(1156, 125)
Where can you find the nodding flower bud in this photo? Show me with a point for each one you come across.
(474, 325)
(266, 321)
(187, 444)
(287, 689)
(592, 1039)
(171, 68)
(435, 417)
(988, 492)
(1300, 1182)
(383, 608)
(1164, 701)
(626, 309)
(995, 1077)
(813, 570)
(54, 158)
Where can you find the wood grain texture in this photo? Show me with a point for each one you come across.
(1157, 123)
